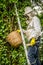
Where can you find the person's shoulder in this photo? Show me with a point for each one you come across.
(36, 18)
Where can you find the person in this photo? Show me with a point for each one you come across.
(33, 33)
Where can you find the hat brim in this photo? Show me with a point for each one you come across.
(27, 12)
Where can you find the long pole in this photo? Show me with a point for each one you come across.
(25, 49)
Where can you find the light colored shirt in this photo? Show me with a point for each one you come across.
(34, 28)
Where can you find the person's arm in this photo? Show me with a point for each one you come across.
(24, 31)
(37, 25)
(32, 42)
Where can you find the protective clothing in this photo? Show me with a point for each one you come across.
(18, 30)
(34, 28)
(33, 41)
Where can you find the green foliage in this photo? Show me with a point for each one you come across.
(13, 1)
(8, 54)
(41, 19)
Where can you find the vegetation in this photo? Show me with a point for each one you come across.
(8, 22)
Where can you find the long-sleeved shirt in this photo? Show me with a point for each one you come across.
(34, 28)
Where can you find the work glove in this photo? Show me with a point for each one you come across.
(32, 42)
(18, 31)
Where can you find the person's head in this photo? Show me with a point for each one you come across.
(29, 13)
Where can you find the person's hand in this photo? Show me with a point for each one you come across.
(18, 31)
(24, 31)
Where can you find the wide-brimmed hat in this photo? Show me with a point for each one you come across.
(28, 10)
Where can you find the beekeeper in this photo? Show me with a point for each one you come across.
(33, 34)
